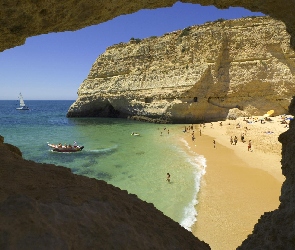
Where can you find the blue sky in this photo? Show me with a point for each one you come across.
(52, 66)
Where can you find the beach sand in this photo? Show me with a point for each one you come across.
(239, 185)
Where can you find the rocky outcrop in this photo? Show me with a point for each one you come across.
(44, 206)
(22, 19)
(197, 74)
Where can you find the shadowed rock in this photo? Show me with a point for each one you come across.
(21, 180)
(22, 19)
(44, 206)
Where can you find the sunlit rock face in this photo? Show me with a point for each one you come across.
(193, 75)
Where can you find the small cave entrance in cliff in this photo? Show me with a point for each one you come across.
(111, 112)
(148, 99)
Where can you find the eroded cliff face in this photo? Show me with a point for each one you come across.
(193, 75)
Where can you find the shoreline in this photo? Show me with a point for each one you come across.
(239, 185)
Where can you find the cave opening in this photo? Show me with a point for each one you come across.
(109, 110)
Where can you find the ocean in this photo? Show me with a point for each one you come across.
(138, 164)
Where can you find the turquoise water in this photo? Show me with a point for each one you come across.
(138, 164)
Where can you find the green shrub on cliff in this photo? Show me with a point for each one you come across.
(220, 20)
(185, 32)
(137, 40)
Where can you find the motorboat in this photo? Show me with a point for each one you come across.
(22, 105)
(65, 148)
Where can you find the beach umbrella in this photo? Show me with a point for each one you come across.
(270, 112)
(266, 115)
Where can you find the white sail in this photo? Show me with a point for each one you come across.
(21, 100)
(22, 105)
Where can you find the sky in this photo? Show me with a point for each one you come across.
(53, 66)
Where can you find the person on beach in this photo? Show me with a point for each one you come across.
(249, 146)
(200, 132)
(231, 140)
(168, 177)
(242, 138)
(235, 140)
(214, 144)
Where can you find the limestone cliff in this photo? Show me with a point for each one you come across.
(192, 75)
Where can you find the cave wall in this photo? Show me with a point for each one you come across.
(44, 206)
(22, 19)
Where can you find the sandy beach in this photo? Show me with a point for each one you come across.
(239, 184)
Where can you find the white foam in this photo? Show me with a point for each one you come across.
(102, 150)
(199, 164)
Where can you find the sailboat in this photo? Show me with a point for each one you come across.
(22, 105)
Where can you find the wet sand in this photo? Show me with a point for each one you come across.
(239, 185)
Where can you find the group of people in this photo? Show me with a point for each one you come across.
(66, 145)
(164, 130)
(233, 141)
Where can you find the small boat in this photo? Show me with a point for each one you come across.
(135, 134)
(22, 105)
(65, 148)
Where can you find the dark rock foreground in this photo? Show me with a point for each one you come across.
(44, 206)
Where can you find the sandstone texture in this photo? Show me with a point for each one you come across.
(193, 75)
(44, 206)
(22, 19)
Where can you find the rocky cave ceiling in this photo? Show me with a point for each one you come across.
(22, 19)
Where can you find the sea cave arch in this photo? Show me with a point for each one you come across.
(23, 19)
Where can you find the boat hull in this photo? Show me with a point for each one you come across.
(65, 149)
(23, 108)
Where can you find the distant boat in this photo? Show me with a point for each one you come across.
(22, 105)
(66, 148)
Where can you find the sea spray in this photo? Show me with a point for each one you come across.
(199, 164)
